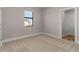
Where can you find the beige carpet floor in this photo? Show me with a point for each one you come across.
(40, 43)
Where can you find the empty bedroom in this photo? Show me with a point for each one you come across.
(39, 29)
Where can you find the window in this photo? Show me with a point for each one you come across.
(28, 18)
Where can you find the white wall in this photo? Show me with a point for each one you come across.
(45, 20)
(52, 21)
(78, 24)
(68, 23)
(0, 23)
(13, 22)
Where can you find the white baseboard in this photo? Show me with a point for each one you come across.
(77, 42)
(26, 36)
(52, 35)
(17, 38)
(0, 44)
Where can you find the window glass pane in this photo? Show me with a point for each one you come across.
(27, 13)
(28, 18)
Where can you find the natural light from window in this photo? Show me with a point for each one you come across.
(28, 18)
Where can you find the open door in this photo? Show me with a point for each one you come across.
(68, 17)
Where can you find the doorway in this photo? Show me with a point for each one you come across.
(69, 24)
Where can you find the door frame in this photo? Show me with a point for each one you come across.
(60, 15)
